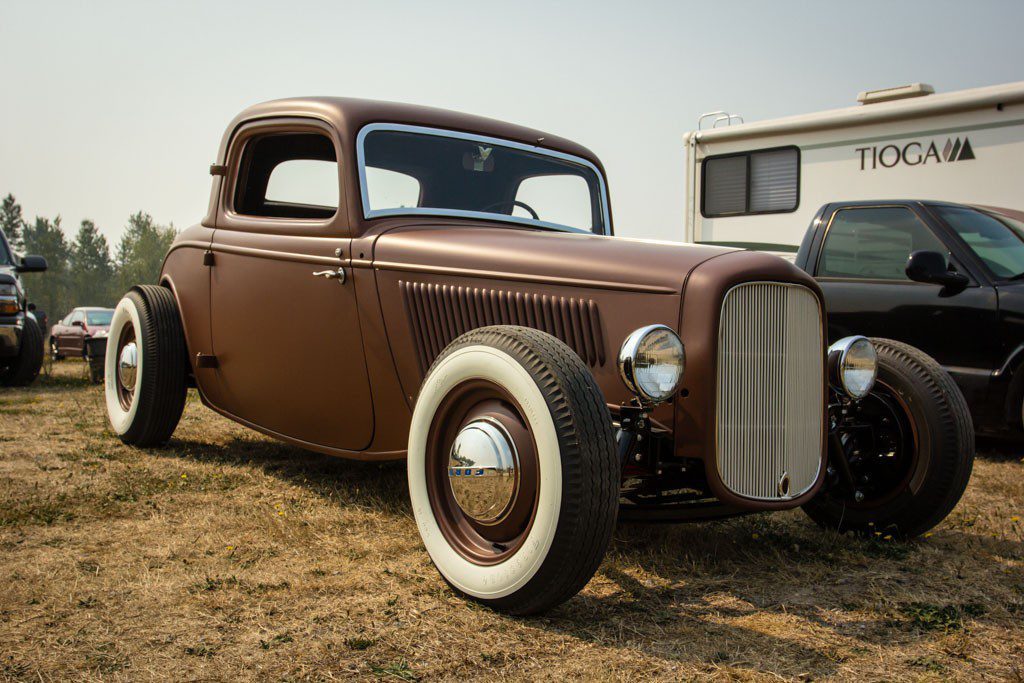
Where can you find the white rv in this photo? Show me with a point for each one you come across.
(761, 183)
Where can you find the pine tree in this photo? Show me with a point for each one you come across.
(12, 222)
(141, 251)
(92, 270)
(51, 290)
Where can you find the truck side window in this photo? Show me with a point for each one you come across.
(874, 243)
(766, 181)
(288, 175)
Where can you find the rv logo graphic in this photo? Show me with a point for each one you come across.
(915, 153)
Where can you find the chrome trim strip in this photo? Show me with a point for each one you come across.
(456, 213)
(517, 277)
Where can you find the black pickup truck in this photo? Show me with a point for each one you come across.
(21, 340)
(945, 278)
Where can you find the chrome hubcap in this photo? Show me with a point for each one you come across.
(127, 365)
(483, 470)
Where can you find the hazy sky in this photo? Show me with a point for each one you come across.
(107, 108)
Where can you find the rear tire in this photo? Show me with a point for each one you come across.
(550, 533)
(940, 454)
(24, 369)
(145, 367)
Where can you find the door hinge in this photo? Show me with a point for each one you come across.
(218, 169)
(207, 360)
(208, 259)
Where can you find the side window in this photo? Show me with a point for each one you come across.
(767, 181)
(76, 316)
(562, 199)
(288, 175)
(874, 243)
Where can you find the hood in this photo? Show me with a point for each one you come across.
(545, 256)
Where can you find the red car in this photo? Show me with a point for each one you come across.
(67, 338)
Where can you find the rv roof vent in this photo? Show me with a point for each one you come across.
(900, 92)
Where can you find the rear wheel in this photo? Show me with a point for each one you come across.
(24, 369)
(909, 447)
(513, 472)
(145, 367)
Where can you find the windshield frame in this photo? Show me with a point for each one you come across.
(369, 214)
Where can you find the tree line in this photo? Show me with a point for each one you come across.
(82, 271)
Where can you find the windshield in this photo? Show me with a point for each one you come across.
(412, 170)
(101, 318)
(5, 254)
(991, 238)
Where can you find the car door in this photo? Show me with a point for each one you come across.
(860, 266)
(284, 321)
(73, 334)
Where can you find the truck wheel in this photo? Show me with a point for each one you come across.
(910, 446)
(513, 472)
(145, 367)
(24, 369)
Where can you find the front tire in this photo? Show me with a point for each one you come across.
(24, 369)
(914, 470)
(526, 537)
(145, 367)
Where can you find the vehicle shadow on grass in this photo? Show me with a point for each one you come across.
(759, 592)
(380, 485)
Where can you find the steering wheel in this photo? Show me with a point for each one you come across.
(512, 204)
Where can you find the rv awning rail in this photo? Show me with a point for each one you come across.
(932, 105)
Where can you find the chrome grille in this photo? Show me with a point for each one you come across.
(770, 401)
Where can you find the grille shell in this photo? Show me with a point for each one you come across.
(770, 399)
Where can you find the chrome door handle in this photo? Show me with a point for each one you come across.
(338, 274)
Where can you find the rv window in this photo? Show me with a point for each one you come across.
(767, 181)
(874, 243)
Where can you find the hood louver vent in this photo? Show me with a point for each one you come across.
(440, 313)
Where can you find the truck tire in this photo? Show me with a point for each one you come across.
(24, 369)
(513, 472)
(145, 367)
(922, 419)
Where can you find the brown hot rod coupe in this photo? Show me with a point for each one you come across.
(380, 281)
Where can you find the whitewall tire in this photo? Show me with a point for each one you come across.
(526, 531)
(145, 367)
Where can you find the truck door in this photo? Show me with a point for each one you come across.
(860, 266)
(284, 323)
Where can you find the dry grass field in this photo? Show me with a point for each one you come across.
(227, 556)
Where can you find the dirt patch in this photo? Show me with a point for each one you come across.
(229, 556)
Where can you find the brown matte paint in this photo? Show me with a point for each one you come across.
(336, 367)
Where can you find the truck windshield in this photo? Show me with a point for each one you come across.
(994, 241)
(5, 254)
(414, 170)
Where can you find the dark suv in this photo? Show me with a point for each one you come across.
(21, 339)
(946, 278)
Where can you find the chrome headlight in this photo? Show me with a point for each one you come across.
(651, 363)
(853, 365)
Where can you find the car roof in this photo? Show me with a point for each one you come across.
(348, 115)
(926, 202)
